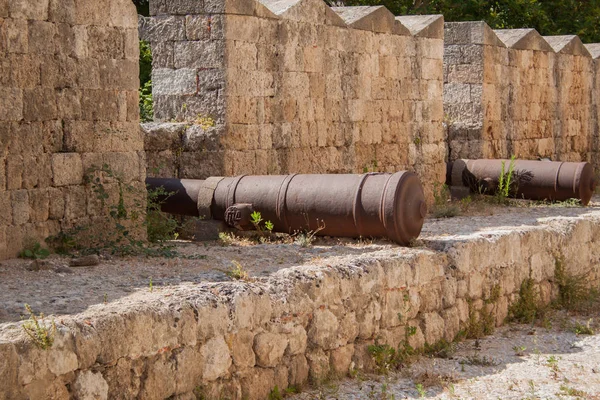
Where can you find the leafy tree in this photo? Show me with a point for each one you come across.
(146, 103)
(549, 17)
(142, 7)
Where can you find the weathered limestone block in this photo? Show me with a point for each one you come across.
(90, 385)
(216, 358)
(269, 348)
(341, 359)
(319, 367)
(258, 383)
(323, 331)
(297, 341)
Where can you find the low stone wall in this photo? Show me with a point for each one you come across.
(302, 324)
(514, 92)
(68, 101)
(295, 87)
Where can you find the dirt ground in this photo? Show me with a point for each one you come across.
(60, 290)
(516, 362)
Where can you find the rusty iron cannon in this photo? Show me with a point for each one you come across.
(368, 205)
(535, 180)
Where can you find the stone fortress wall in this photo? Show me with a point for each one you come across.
(514, 92)
(68, 100)
(294, 87)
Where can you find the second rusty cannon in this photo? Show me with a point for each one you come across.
(368, 205)
(535, 180)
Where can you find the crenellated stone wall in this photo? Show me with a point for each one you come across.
(514, 92)
(68, 100)
(294, 87)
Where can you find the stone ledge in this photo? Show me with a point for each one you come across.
(301, 322)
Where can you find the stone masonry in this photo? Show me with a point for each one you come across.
(279, 87)
(68, 100)
(305, 323)
(514, 92)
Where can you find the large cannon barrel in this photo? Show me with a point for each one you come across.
(535, 180)
(368, 205)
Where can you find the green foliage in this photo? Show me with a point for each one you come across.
(269, 226)
(238, 272)
(482, 322)
(306, 238)
(34, 251)
(160, 226)
(275, 394)
(142, 7)
(573, 295)
(442, 206)
(256, 219)
(527, 307)
(440, 349)
(384, 357)
(421, 390)
(506, 183)
(121, 235)
(64, 242)
(477, 360)
(549, 17)
(146, 102)
(569, 391)
(40, 334)
(581, 329)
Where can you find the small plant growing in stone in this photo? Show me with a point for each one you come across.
(442, 206)
(506, 182)
(306, 239)
(159, 226)
(421, 390)
(440, 349)
(257, 220)
(527, 307)
(552, 363)
(519, 350)
(204, 121)
(34, 250)
(572, 392)
(581, 329)
(478, 360)
(384, 357)
(572, 292)
(275, 394)
(37, 330)
(238, 272)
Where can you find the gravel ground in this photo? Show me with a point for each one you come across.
(76, 289)
(516, 362)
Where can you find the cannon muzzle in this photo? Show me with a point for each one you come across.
(535, 180)
(368, 205)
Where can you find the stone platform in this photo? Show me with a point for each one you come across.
(306, 315)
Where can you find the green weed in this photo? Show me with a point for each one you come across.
(33, 250)
(238, 272)
(275, 394)
(506, 183)
(40, 334)
(480, 361)
(569, 391)
(527, 307)
(442, 205)
(581, 329)
(384, 357)
(573, 295)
